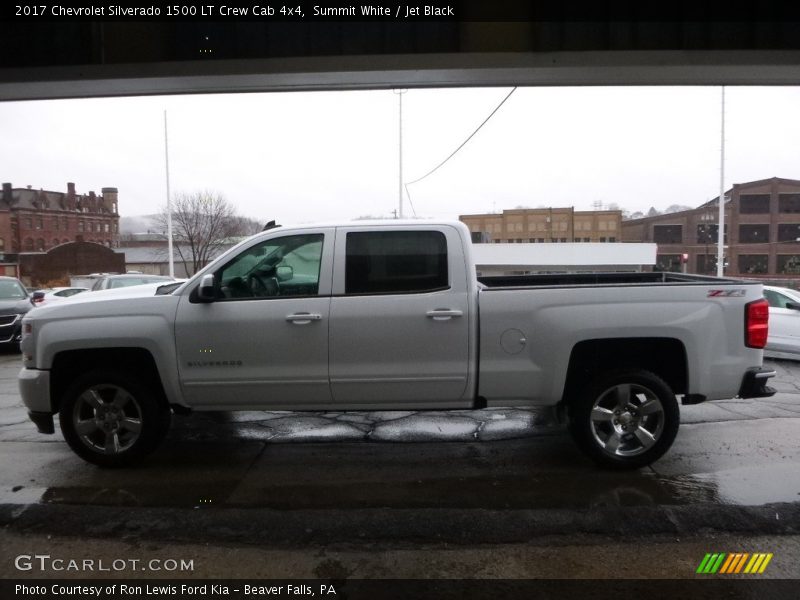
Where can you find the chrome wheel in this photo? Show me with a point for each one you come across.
(107, 419)
(627, 420)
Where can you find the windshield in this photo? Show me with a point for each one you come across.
(12, 290)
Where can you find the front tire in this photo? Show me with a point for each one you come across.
(625, 419)
(111, 420)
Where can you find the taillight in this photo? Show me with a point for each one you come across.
(756, 323)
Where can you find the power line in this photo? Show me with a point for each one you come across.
(464, 143)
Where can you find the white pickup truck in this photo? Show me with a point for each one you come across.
(391, 315)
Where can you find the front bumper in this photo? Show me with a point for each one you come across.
(34, 387)
(754, 383)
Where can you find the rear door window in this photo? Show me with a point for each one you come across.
(395, 262)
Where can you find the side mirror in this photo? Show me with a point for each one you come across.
(206, 291)
(37, 297)
(284, 273)
(793, 305)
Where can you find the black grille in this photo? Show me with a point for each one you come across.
(7, 320)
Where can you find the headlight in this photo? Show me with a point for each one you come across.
(26, 343)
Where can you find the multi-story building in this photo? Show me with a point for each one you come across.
(762, 232)
(543, 225)
(37, 220)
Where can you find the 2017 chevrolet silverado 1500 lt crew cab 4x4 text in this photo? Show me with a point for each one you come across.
(391, 315)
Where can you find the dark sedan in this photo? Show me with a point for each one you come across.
(14, 303)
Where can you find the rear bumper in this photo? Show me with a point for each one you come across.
(754, 383)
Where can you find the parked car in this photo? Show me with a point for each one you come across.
(42, 297)
(110, 282)
(391, 316)
(784, 323)
(15, 301)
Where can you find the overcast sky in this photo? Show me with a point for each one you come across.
(299, 157)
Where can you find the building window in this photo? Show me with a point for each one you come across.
(28, 223)
(753, 264)
(587, 239)
(612, 239)
(789, 203)
(55, 242)
(788, 232)
(707, 233)
(788, 264)
(29, 244)
(668, 234)
(540, 240)
(753, 234)
(65, 223)
(115, 227)
(706, 264)
(668, 262)
(39, 223)
(602, 239)
(55, 223)
(40, 245)
(754, 204)
(80, 225)
(2, 245)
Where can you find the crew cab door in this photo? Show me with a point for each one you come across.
(263, 342)
(400, 318)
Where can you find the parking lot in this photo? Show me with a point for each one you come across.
(369, 494)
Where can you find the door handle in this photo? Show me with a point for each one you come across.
(303, 318)
(443, 314)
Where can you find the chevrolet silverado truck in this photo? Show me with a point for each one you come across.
(391, 316)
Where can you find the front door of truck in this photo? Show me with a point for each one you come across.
(264, 341)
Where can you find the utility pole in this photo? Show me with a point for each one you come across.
(721, 229)
(169, 202)
(400, 93)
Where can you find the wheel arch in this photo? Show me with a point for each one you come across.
(665, 357)
(71, 364)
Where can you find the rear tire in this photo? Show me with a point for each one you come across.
(110, 419)
(625, 419)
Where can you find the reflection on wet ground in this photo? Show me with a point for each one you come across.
(736, 452)
(537, 473)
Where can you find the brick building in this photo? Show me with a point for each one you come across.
(545, 225)
(38, 220)
(762, 232)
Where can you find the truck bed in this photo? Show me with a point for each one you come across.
(604, 279)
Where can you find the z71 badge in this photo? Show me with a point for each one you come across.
(726, 293)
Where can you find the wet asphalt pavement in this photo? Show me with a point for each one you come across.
(370, 492)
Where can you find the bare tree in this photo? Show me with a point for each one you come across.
(202, 225)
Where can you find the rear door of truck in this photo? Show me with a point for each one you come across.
(400, 322)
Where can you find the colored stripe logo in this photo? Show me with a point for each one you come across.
(733, 563)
